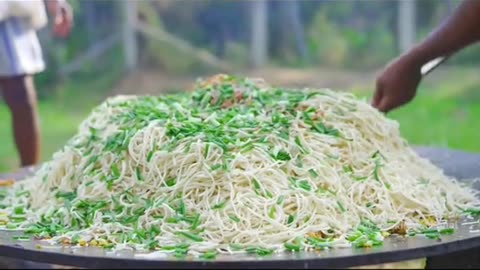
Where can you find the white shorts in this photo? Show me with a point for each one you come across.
(20, 50)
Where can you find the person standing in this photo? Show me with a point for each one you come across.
(21, 59)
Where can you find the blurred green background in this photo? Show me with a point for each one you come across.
(343, 45)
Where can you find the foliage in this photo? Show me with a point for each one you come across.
(327, 42)
(347, 46)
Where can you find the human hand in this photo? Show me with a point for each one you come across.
(397, 84)
(62, 18)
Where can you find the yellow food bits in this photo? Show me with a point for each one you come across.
(102, 242)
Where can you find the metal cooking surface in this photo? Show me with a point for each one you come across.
(466, 236)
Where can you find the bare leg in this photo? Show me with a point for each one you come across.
(20, 96)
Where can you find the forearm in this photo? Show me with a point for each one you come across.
(458, 31)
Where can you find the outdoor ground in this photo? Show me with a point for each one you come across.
(445, 113)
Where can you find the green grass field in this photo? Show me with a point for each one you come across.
(445, 113)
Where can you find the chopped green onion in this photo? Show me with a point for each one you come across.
(472, 211)
(259, 251)
(280, 199)
(168, 248)
(318, 243)
(284, 134)
(181, 208)
(152, 244)
(220, 205)
(21, 238)
(236, 246)
(313, 173)
(348, 169)
(447, 231)
(22, 193)
(256, 185)
(292, 246)
(207, 148)
(361, 242)
(209, 255)
(272, 212)
(90, 161)
(215, 167)
(195, 222)
(139, 174)
(340, 205)
(19, 210)
(299, 144)
(375, 171)
(3, 194)
(283, 156)
(434, 236)
(290, 220)
(171, 220)
(75, 239)
(109, 246)
(171, 182)
(303, 184)
(12, 226)
(115, 170)
(66, 195)
(155, 230)
(234, 218)
(247, 147)
(150, 155)
(191, 236)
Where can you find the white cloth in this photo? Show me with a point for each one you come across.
(20, 50)
(32, 11)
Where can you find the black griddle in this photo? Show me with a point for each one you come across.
(460, 250)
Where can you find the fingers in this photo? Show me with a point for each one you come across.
(385, 98)
(61, 30)
(385, 105)
(63, 22)
(377, 96)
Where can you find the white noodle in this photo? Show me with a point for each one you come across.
(350, 185)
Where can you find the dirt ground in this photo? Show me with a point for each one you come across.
(149, 81)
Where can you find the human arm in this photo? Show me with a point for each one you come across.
(398, 82)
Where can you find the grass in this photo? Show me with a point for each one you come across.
(444, 113)
(440, 121)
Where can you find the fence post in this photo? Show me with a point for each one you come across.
(129, 34)
(406, 24)
(258, 32)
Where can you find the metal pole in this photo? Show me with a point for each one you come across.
(259, 32)
(406, 24)
(129, 34)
